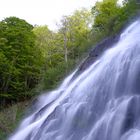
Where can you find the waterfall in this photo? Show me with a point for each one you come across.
(101, 103)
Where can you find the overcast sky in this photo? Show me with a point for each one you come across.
(41, 12)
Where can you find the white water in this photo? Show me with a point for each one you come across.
(103, 103)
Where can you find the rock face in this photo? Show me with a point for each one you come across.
(96, 52)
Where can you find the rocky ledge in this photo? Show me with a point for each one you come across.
(95, 52)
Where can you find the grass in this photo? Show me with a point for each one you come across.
(10, 118)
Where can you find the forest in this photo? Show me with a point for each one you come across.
(34, 59)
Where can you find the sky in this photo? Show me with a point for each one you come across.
(42, 12)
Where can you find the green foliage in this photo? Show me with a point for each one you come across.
(20, 60)
(110, 17)
(62, 49)
(52, 52)
(75, 32)
(50, 45)
(55, 74)
(106, 14)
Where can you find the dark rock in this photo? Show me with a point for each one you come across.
(95, 52)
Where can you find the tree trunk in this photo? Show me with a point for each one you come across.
(65, 48)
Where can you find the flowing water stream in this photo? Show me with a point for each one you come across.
(102, 103)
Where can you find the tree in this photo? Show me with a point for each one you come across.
(52, 49)
(106, 15)
(110, 17)
(75, 30)
(49, 43)
(21, 60)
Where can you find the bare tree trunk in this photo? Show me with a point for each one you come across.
(65, 48)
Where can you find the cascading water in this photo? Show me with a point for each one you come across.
(102, 103)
